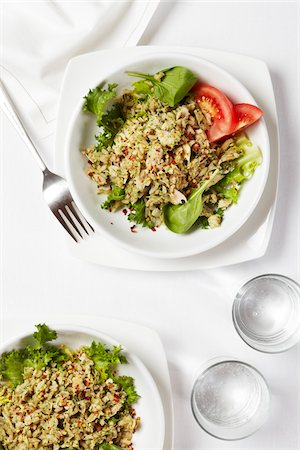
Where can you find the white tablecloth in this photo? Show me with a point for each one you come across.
(39, 278)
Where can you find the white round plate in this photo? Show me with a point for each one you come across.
(150, 435)
(162, 243)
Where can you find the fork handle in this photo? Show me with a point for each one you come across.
(10, 110)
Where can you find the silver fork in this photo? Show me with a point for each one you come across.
(55, 188)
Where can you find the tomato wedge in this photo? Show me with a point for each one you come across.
(246, 115)
(220, 109)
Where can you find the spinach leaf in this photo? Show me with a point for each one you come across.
(116, 194)
(180, 218)
(173, 87)
(143, 87)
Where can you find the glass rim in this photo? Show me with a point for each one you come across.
(217, 363)
(263, 341)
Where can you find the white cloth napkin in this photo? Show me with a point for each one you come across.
(39, 38)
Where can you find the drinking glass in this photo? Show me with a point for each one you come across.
(266, 313)
(230, 399)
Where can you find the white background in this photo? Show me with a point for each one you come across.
(190, 311)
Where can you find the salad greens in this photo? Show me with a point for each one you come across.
(116, 194)
(110, 122)
(180, 218)
(174, 86)
(105, 359)
(127, 384)
(41, 353)
(97, 99)
(230, 185)
(170, 85)
(138, 214)
(38, 355)
(106, 446)
(171, 88)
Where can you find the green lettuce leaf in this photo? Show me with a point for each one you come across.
(43, 334)
(110, 122)
(138, 214)
(116, 194)
(38, 356)
(246, 164)
(105, 359)
(97, 99)
(127, 385)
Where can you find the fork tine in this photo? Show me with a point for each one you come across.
(63, 223)
(75, 211)
(65, 213)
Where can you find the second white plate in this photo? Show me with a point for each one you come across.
(149, 407)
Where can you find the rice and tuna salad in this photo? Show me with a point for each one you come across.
(170, 150)
(52, 398)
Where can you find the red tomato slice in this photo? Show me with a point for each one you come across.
(219, 107)
(246, 115)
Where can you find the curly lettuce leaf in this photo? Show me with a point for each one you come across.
(246, 164)
(137, 214)
(38, 356)
(96, 102)
(117, 194)
(111, 122)
(43, 334)
(127, 385)
(105, 359)
(97, 99)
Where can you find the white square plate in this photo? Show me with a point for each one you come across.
(251, 241)
(148, 348)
